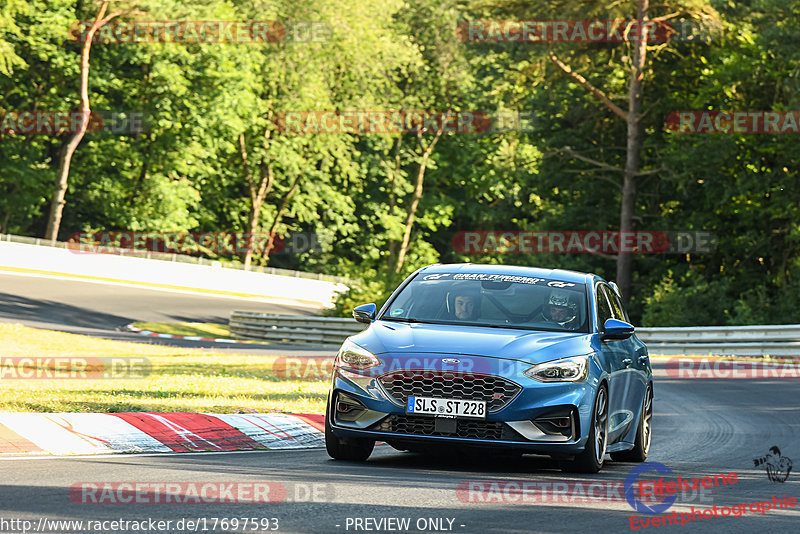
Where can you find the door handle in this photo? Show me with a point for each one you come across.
(627, 362)
(642, 359)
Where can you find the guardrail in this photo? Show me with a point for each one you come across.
(288, 329)
(760, 340)
(757, 340)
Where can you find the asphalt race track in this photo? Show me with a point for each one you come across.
(701, 427)
(94, 309)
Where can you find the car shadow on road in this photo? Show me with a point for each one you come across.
(14, 308)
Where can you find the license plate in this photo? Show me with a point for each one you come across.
(451, 407)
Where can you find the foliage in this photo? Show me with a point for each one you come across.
(185, 171)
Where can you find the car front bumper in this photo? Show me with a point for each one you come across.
(543, 418)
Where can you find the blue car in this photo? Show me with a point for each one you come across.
(517, 359)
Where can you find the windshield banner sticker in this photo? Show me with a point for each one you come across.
(483, 277)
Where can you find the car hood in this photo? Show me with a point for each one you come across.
(522, 345)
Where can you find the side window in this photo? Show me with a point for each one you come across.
(603, 308)
(616, 306)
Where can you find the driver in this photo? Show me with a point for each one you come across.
(560, 308)
(466, 305)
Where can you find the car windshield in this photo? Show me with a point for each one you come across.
(492, 300)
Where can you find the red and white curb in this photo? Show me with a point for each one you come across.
(139, 432)
(148, 333)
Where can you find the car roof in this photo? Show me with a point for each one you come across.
(513, 270)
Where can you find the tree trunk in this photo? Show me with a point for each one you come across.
(13, 189)
(148, 142)
(65, 158)
(137, 186)
(277, 219)
(411, 210)
(252, 228)
(258, 192)
(633, 152)
(392, 187)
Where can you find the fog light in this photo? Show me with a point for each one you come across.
(561, 422)
(344, 407)
(556, 424)
(348, 409)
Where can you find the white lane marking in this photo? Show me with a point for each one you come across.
(117, 456)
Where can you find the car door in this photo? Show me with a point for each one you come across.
(637, 376)
(614, 357)
(618, 353)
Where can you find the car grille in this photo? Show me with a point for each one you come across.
(496, 391)
(420, 425)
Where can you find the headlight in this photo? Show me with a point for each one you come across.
(563, 370)
(354, 357)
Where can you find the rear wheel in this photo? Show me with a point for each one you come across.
(352, 449)
(644, 433)
(591, 459)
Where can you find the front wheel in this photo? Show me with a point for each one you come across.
(641, 448)
(591, 459)
(352, 449)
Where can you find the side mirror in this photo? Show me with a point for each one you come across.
(616, 329)
(366, 313)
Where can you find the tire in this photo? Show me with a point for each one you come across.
(644, 433)
(350, 449)
(591, 459)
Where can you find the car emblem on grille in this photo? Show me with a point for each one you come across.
(450, 360)
(498, 396)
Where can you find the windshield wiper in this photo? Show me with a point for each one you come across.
(401, 319)
(418, 321)
(503, 326)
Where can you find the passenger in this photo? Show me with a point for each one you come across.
(560, 308)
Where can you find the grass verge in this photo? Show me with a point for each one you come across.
(179, 379)
(214, 330)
